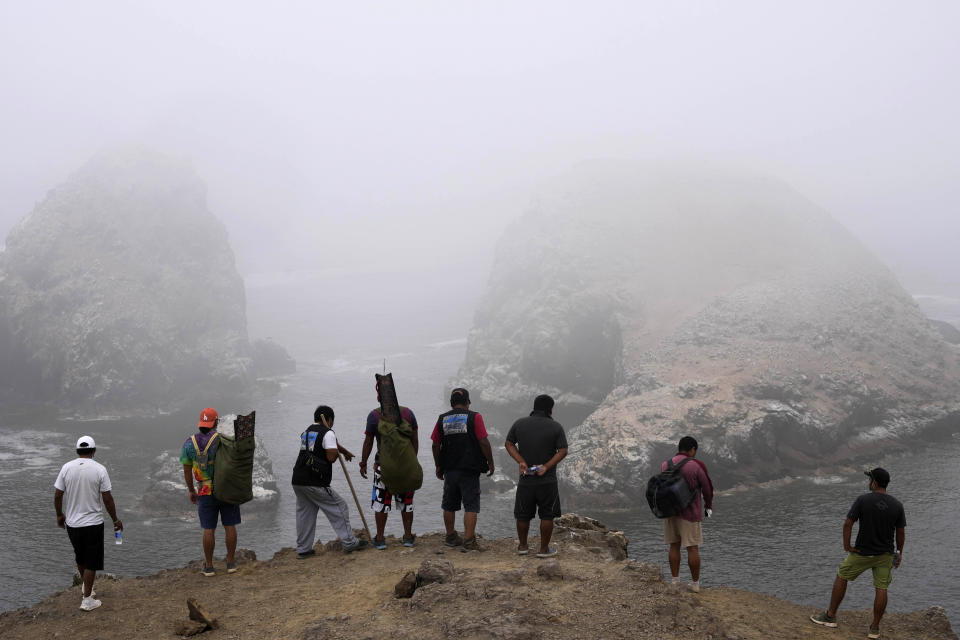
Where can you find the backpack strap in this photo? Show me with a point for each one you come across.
(196, 447)
(209, 442)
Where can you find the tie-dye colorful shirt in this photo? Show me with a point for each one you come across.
(202, 474)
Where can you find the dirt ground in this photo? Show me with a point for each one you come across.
(583, 593)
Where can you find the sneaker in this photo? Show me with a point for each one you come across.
(379, 544)
(470, 545)
(522, 551)
(359, 546)
(306, 554)
(874, 632)
(90, 603)
(549, 553)
(231, 567)
(453, 540)
(824, 619)
(695, 587)
(208, 571)
(408, 540)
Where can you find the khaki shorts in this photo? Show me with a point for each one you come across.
(688, 534)
(855, 564)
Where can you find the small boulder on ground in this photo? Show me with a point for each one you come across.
(435, 570)
(550, 570)
(406, 586)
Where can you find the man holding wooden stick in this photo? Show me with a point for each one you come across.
(312, 473)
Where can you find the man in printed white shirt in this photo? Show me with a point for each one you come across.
(82, 489)
(312, 473)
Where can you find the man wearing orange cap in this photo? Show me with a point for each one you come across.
(197, 457)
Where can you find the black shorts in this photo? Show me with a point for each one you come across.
(532, 498)
(88, 545)
(461, 486)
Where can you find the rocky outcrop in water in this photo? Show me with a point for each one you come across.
(655, 304)
(119, 295)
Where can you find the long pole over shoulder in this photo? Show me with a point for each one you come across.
(346, 474)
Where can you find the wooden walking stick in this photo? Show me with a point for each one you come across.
(350, 484)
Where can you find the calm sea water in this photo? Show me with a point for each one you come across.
(783, 539)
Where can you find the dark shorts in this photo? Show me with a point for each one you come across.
(208, 508)
(532, 498)
(461, 487)
(88, 545)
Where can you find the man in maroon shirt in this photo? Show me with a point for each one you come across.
(685, 530)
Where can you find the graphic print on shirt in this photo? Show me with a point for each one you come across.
(455, 424)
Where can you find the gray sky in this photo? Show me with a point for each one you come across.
(354, 125)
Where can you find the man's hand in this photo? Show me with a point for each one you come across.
(523, 468)
(349, 456)
(850, 549)
(118, 525)
(62, 521)
(363, 469)
(490, 472)
(193, 496)
(542, 469)
(439, 473)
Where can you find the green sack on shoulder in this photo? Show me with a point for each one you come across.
(233, 465)
(399, 468)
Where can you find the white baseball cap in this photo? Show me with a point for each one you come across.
(86, 442)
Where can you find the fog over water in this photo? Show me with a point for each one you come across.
(323, 128)
(368, 156)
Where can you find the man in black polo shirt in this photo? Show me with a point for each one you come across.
(538, 444)
(882, 523)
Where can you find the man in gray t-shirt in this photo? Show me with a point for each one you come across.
(538, 444)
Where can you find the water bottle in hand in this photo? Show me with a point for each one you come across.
(118, 536)
(896, 558)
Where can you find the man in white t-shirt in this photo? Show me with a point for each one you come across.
(81, 491)
(312, 473)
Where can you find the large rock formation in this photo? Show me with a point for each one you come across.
(119, 294)
(655, 304)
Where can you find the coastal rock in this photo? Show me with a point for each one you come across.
(657, 303)
(119, 295)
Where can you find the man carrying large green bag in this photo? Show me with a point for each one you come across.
(197, 457)
(396, 471)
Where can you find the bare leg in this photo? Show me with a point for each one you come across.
(407, 517)
(380, 518)
(90, 574)
(208, 543)
(86, 578)
(523, 528)
(674, 557)
(840, 590)
(450, 522)
(231, 535)
(879, 605)
(693, 560)
(469, 524)
(546, 531)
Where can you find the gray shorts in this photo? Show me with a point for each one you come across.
(461, 486)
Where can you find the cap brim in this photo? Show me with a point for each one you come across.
(206, 424)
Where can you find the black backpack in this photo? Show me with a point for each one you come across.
(668, 493)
